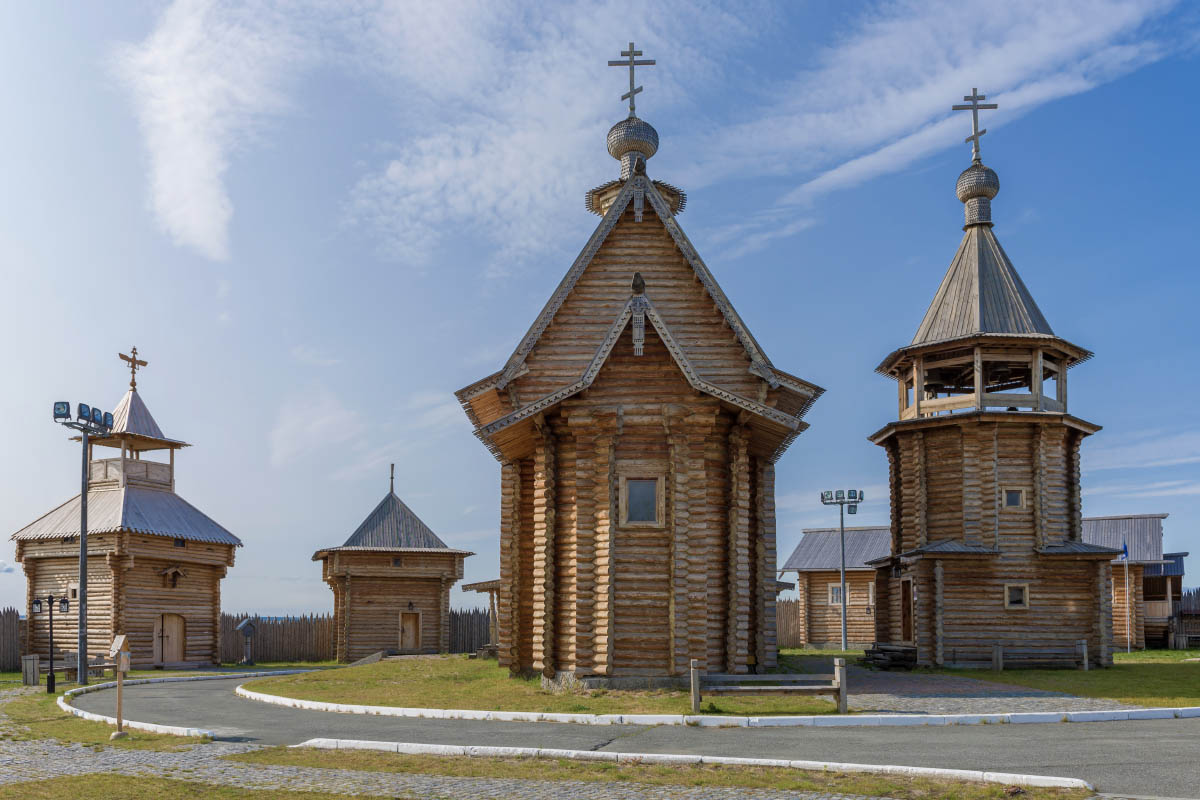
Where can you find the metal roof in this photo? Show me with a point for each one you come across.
(134, 508)
(1171, 569)
(981, 293)
(393, 525)
(482, 586)
(820, 548)
(132, 416)
(1142, 532)
(1077, 548)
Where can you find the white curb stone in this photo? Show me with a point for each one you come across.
(670, 758)
(1153, 713)
(1038, 716)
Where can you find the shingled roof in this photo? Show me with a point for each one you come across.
(393, 526)
(981, 293)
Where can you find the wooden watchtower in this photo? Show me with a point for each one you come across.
(987, 545)
(637, 425)
(155, 561)
(391, 584)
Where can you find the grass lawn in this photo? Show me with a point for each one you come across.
(1144, 678)
(106, 786)
(39, 717)
(699, 775)
(459, 682)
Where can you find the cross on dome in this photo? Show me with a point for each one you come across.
(974, 106)
(631, 62)
(134, 363)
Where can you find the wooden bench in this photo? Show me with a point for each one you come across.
(66, 664)
(772, 684)
(1039, 657)
(891, 656)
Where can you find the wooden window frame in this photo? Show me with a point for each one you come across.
(1004, 490)
(73, 591)
(829, 589)
(647, 471)
(1009, 606)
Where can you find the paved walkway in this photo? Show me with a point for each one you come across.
(1150, 757)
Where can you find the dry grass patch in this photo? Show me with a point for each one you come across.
(698, 775)
(107, 786)
(460, 682)
(37, 716)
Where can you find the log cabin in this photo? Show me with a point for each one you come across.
(155, 561)
(391, 584)
(637, 425)
(987, 536)
(1141, 614)
(816, 562)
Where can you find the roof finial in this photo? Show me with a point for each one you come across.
(974, 106)
(631, 62)
(392, 481)
(134, 363)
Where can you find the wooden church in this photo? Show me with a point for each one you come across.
(987, 536)
(155, 562)
(391, 584)
(637, 424)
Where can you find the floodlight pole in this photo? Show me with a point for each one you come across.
(842, 534)
(81, 662)
(841, 498)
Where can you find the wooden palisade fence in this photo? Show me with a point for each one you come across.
(311, 637)
(11, 626)
(788, 623)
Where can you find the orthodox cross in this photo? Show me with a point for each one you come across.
(134, 363)
(631, 62)
(974, 97)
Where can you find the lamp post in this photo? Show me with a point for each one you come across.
(88, 420)
(843, 498)
(63, 606)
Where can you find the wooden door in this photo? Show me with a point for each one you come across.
(170, 638)
(410, 631)
(906, 610)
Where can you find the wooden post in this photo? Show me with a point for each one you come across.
(998, 657)
(978, 379)
(30, 674)
(1083, 654)
(839, 673)
(695, 686)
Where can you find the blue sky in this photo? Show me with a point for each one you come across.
(316, 220)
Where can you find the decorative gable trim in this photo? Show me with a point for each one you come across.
(641, 304)
(637, 189)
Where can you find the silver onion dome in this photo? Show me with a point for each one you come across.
(631, 140)
(976, 187)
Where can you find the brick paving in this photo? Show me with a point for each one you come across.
(22, 761)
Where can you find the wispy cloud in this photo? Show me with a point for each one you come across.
(1176, 488)
(310, 420)
(313, 356)
(427, 417)
(6, 567)
(1145, 449)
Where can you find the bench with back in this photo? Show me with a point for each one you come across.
(833, 684)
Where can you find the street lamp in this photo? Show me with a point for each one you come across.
(63, 606)
(89, 420)
(843, 498)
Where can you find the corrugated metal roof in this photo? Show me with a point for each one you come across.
(820, 548)
(134, 508)
(132, 416)
(981, 293)
(1142, 532)
(1070, 548)
(1173, 567)
(393, 525)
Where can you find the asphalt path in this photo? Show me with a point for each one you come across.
(1146, 758)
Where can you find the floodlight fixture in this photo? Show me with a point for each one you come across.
(108, 420)
(97, 416)
(840, 494)
(84, 412)
(847, 501)
(852, 508)
(62, 410)
(826, 497)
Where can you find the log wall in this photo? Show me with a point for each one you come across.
(1133, 611)
(811, 621)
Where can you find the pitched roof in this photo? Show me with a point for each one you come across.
(981, 293)
(820, 548)
(158, 512)
(1142, 532)
(394, 526)
(1172, 568)
(131, 417)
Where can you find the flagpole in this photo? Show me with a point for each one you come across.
(1128, 642)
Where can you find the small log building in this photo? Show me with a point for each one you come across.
(1143, 615)
(637, 424)
(816, 561)
(987, 535)
(391, 584)
(155, 562)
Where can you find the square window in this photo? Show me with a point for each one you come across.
(641, 500)
(1013, 498)
(181, 543)
(1016, 595)
(835, 594)
(397, 562)
(73, 591)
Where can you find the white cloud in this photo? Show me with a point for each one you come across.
(313, 356)
(1145, 449)
(1174, 488)
(6, 567)
(311, 420)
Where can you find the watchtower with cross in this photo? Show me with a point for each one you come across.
(987, 543)
(158, 581)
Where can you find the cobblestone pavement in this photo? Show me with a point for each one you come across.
(916, 693)
(22, 761)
